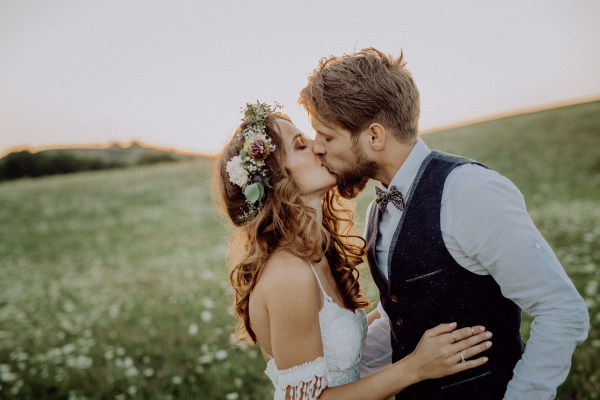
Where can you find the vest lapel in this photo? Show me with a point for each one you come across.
(410, 192)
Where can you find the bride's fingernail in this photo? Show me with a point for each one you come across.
(482, 328)
(488, 335)
(485, 359)
(488, 344)
(452, 324)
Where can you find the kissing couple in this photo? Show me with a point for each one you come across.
(448, 241)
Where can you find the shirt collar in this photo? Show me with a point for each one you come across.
(409, 169)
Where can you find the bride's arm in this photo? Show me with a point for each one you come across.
(436, 355)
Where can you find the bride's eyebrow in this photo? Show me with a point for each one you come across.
(297, 135)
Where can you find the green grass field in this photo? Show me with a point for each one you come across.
(113, 284)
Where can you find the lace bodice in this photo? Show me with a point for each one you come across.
(343, 333)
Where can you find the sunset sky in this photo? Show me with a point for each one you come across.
(175, 73)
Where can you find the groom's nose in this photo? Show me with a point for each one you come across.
(318, 148)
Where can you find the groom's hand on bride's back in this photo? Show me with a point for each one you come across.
(438, 353)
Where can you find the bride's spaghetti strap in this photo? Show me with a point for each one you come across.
(328, 297)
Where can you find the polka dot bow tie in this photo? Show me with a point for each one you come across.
(393, 195)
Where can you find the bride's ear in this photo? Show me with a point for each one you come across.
(377, 136)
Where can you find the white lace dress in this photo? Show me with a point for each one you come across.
(344, 334)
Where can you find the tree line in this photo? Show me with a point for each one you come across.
(23, 164)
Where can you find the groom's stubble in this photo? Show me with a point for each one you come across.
(353, 176)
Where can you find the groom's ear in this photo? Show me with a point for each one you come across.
(377, 136)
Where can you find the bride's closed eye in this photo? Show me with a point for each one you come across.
(300, 145)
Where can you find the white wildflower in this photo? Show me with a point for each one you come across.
(176, 380)
(237, 173)
(591, 288)
(131, 372)
(232, 396)
(8, 376)
(206, 316)
(84, 362)
(193, 329)
(221, 355)
(148, 372)
(205, 359)
(109, 354)
(132, 390)
(68, 348)
(208, 303)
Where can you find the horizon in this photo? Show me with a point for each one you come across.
(126, 144)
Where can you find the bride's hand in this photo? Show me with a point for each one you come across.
(438, 351)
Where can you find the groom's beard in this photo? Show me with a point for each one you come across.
(354, 176)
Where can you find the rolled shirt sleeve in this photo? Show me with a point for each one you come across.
(487, 217)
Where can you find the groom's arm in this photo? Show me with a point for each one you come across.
(488, 219)
(377, 352)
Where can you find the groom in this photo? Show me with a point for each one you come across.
(448, 239)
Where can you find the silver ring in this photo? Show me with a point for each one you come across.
(472, 332)
(462, 357)
(452, 333)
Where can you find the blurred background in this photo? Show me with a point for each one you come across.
(113, 277)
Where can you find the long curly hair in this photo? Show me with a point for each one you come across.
(282, 220)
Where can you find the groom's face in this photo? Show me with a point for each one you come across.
(343, 157)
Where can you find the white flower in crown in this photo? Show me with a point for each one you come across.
(237, 173)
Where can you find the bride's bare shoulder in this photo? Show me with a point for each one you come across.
(286, 276)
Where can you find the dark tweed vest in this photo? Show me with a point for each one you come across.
(428, 287)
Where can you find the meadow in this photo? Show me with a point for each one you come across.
(114, 284)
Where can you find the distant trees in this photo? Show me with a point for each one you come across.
(26, 164)
(154, 158)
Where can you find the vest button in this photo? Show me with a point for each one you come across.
(402, 346)
(394, 298)
(399, 322)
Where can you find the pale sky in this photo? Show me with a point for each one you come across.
(175, 73)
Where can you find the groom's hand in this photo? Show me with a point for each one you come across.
(444, 350)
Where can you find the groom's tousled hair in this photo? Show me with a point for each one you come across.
(356, 90)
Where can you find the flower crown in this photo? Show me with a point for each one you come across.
(247, 170)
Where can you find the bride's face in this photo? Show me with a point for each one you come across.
(306, 169)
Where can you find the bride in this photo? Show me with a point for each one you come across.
(294, 257)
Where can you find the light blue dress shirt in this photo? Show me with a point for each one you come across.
(487, 230)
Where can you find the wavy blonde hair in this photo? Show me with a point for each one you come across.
(355, 90)
(282, 220)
